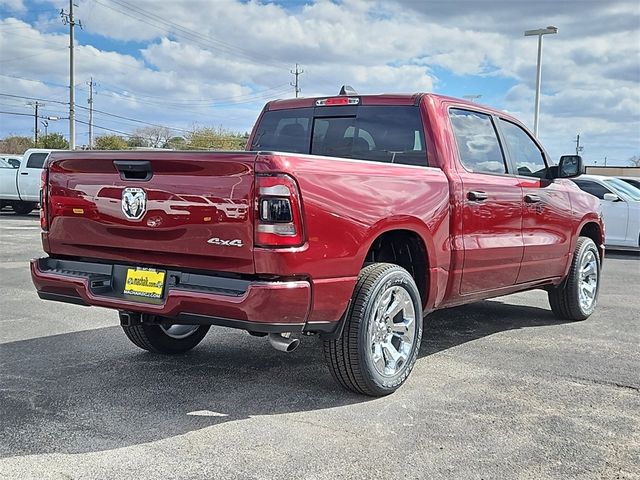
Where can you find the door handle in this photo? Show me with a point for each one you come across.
(134, 169)
(530, 198)
(24, 173)
(475, 196)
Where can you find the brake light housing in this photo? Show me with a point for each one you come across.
(333, 101)
(278, 212)
(44, 196)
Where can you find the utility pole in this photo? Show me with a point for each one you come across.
(578, 147)
(35, 106)
(68, 19)
(296, 85)
(90, 101)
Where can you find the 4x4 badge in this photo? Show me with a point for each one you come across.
(134, 202)
(225, 243)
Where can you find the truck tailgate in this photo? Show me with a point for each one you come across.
(186, 209)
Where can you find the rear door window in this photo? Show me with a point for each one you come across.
(477, 142)
(36, 160)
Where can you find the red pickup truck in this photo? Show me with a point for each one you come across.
(350, 217)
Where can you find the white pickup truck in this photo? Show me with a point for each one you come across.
(20, 186)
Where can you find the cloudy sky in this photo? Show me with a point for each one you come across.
(182, 63)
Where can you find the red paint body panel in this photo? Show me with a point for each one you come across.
(474, 251)
(190, 199)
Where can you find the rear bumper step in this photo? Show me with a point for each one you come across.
(259, 306)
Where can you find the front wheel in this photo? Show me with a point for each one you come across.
(167, 339)
(576, 297)
(381, 337)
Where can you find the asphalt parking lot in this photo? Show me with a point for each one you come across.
(502, 390)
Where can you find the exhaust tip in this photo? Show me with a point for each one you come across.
(283, 343)
(295, 343)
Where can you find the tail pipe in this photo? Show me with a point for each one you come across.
(283, 342)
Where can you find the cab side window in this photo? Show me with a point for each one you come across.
(527, 157)
(477, 141)
(36, 160)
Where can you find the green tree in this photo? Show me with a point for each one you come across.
(136, 141)
(177, 143)
(53, 140)
(215, 139)
(110, 142)
(16, 145)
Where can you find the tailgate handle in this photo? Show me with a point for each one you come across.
(134, 169)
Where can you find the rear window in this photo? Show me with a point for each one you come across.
(391, 134)
(36, 160)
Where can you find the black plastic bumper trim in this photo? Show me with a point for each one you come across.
(57, 297)
(261, 327)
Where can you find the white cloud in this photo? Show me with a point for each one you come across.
(13, 5)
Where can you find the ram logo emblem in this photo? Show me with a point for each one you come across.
(134, 203)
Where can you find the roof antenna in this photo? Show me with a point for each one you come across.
(347, 90)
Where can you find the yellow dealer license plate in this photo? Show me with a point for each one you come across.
(144, 282)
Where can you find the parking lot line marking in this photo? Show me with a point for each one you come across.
(207, 413)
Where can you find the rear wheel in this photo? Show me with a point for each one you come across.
(576, 297)
(167, 339)
(382, 333)
(23, 208)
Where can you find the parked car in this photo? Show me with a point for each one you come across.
(620, 202)
(366, 212)
(13, 160)
(634, 181)
(20, 187)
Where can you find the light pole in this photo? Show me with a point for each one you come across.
(540, 32)
(45, 124)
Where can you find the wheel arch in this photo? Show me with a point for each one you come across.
(593, 229)
(408, 247)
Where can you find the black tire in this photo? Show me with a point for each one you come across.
(565, 298)
(23, 208)
(347, 357)
(154, 339)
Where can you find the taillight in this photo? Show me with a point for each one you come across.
(44, 190)
(278, 212)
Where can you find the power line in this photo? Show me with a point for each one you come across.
(152, 19)
(135, 120)
(34, 81)
(33, 98)
(15, 59)
(107, 129)
(199, 102)
(15, 113)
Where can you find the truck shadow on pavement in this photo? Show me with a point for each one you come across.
(93, 391)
